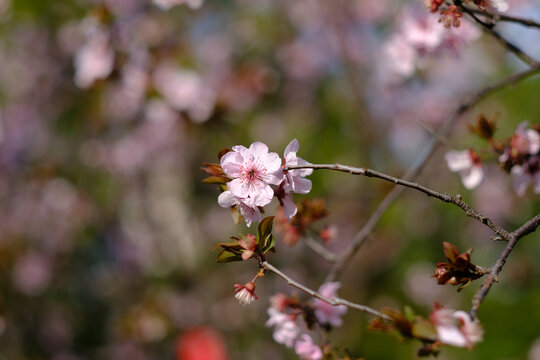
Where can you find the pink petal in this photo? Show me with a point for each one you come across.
(238, 189)
(289, 207)
(520, 180)
(534, 141)
(258, 149)
(458, 160)
(272, 162)
(473, 177)
(290, 151)
(303, 172)
(451, 335)
(301, 185)
(226, 199)
(264, 194)
(231, 163)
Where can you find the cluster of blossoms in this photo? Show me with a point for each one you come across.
(420, 38)
(456, 328)
(252, 172)
(285, 315)
(519, 156)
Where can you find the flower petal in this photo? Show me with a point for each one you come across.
(458, 160)
(473, 177)
(226, 199)
(231, 163)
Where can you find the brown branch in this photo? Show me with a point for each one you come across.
(497, 16)
(469, 211)
(488, 28)
(334, 301)
(429, 150)
(480, 295)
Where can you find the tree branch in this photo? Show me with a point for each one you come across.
(480, 295)
(496, 16)
(429, 150)
(469, 211)
(488, 28)
(334, 301)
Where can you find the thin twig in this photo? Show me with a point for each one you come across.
(488, 28)
(469, 211)
(321, 250)
(480, 295)
(429, 150)
(334, 301)
(496, 16)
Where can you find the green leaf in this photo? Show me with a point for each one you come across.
(265, 239)
(226, 256)
(408, 312)
(424, 330)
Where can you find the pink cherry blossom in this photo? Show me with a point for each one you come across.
(286, 330)
(326, 313)
(525, 175)
(525, 141)
(469, 166)
(296, 178)
(252, 170)
(245, 294)
(249, 213)
(456, 328)
(306, 349)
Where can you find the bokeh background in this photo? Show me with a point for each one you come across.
(108, 108)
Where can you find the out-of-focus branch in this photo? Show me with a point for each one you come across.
(320, 249)
(469, 211)
(525, 229)
(334, 301)
(488, 28)
(496, 17)
(429, 150)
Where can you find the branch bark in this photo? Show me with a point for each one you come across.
(334, 301)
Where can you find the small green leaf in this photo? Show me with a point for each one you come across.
(408, 312)
(268, 244)
(424, 330)
(264, 229)
(226, 256)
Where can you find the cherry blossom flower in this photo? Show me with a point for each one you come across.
(525, 141)
(306, 349)
(296, 178)
(469, 166)
(326, 313)
(252, 170)
(286, 330)
(456, 328)
(245, 294)
(249, 213)
(525, 175)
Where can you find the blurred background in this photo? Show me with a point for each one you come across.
(109, 107)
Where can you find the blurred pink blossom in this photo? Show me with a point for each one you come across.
(95, 59)
(306, 349)
(286, 330)
(469, 166)
(456, 328)
(32, 273)
(326, 313)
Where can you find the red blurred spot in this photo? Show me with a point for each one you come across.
(201, 344)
